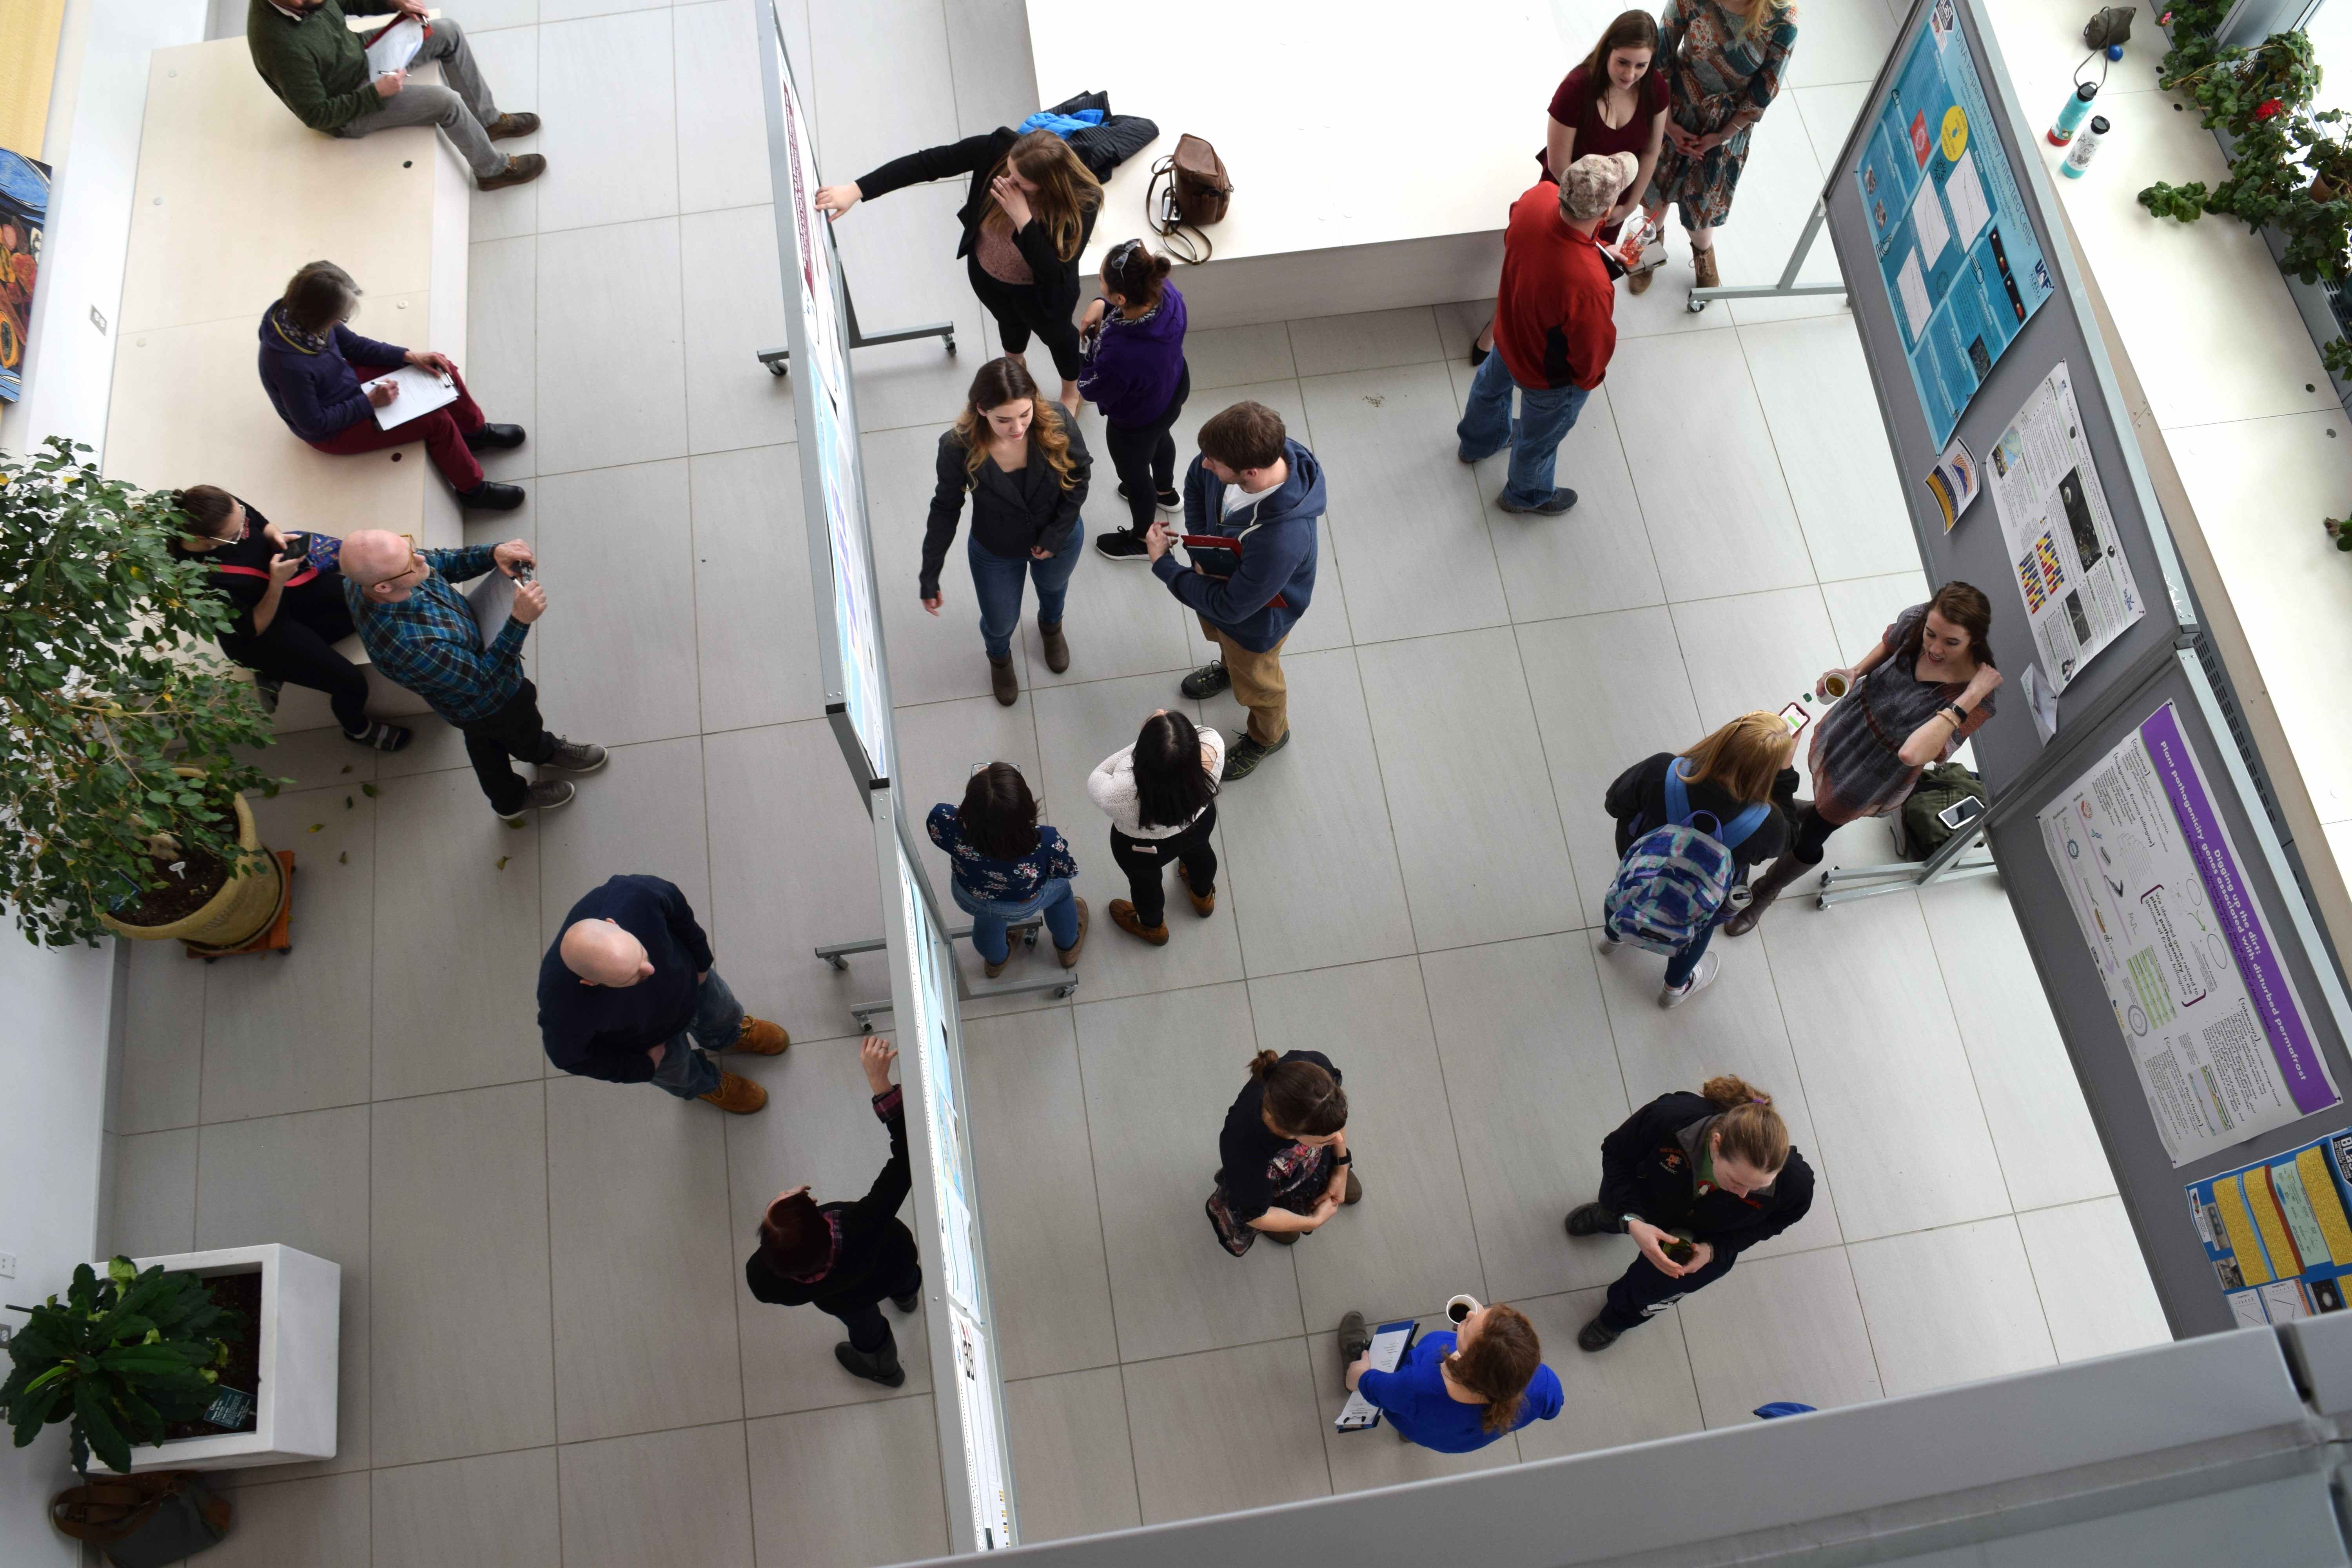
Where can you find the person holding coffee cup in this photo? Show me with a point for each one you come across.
(1696, 1180)
(1287, 1168)
(1457, 1390)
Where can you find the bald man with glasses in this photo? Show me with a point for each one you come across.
(421, 633)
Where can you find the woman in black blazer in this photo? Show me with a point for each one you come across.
(1030, 212)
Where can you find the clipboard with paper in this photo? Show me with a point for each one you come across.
(416, 392)
(393, 50)
(1389, 1344)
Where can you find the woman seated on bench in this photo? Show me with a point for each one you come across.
(289, 613)
(312, 366)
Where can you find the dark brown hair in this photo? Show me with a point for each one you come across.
(1750, 1128)
(1067, 190)
(1003, 381)
(206, 506)
(1498, 1365)
(1301, 1099)
(1132, 273)
(319, 296)
(1630, 30)
(793, 1235)
(1247, 435)
(999, 815)
(1965, 605)
(1172, 786)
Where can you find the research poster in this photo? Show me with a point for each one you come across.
(2276, 1232)
(1955, 246)
(2064, 559)
(2222, 1044)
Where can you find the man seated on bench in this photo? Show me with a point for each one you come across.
(318, 68)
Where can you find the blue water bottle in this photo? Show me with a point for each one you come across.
(2071, 116)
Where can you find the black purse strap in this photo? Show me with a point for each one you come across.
(1185, 242)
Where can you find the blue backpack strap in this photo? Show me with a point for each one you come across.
(1677, 795)
(1735, 832)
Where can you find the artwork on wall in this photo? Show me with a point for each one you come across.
(24, 210)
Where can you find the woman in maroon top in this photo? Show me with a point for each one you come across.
(1625, 113)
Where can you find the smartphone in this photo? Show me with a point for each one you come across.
(1961, 811)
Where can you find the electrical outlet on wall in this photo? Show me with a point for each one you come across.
(7, 1265)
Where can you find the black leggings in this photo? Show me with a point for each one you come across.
(1812, 835)
(869, 1331)
(1145, 455)
(1145, 862)
(302, 652)
(1020, 309)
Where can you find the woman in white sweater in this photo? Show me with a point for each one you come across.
(1161, 796)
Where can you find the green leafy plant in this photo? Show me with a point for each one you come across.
(109, 684)
(121, 1359)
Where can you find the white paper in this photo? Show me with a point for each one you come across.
(2041, 701)
(1915, 303)
(1927, 222)
(2246, 1308)
(1965, 191)
(370, 23)
(1388, 1349)
(395, 46)
(1954, 483)
(420, 392)
(491, 597)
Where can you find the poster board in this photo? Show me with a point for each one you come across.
(2277, 1234)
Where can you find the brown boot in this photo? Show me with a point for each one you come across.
(737, 1096)
(761, 1037)
(1002, 682)
(1058, 646)
(1069, 956)
(1203, 904)
(992, 970)
(520, 169)
(507, 125)
(1122, 915)
(1639, 282)
(1703, 264)
(1785, 870)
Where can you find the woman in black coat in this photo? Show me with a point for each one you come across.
(844, 1259)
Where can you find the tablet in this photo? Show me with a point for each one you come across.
(1389, 1342)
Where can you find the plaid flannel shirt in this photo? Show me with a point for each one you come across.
(430, 643)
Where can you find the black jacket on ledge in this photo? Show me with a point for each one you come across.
(876, 1250)
(1010, 512)
(1646, 1169)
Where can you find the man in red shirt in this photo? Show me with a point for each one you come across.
(1554, 330)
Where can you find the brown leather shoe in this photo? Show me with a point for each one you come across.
(737, 1096)
(1122, 915)
(1002, 682)
(1639, 282)
(1203, 904)
(761, 1037)
(1058, 646)
(1703, 263)
(992, 970)
(1069, 956)
(507, 125)
(521, 170)
(1355, 1192)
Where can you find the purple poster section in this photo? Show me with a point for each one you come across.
(2250, 939)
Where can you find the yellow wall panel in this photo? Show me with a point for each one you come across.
(28, 61)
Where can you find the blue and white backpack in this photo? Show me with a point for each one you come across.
(1677, 876)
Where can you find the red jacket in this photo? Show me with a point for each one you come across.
(1553, 315)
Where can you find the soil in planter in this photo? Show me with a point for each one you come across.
(237, 1293)
(202, 876)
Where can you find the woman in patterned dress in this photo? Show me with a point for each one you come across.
(1724, 60)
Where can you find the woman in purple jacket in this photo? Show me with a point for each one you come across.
(1134, 371)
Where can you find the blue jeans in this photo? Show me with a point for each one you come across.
(1054, 901)
(996, 583)
(1679, 967)
(686, 1069)
(1547, 414)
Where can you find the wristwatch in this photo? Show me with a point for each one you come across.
(1343, 1158)
(1960, 714)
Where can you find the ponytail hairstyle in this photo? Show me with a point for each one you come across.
(1751, 1130)
(1630, 30)
(1134, 274)
(206, 506)
(999, 815)
(1067, 190)
(1003, 381)
(1744, 757)
(1498, 1366)
(1301, 1099)
(1965, 605)
(1172, 786)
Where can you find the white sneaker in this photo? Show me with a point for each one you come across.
(1610, 946)
(1701, 978)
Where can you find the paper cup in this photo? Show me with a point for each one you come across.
(1457, 1307)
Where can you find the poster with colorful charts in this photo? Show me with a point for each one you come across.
(2276, 1232)
(1955, 245)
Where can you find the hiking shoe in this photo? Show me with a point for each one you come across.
(1243, 756)
(878, 1366)
(1122, 915)
(495, 438)
(1203, 904)
(507, 125)
(1701, 978)
(1002, 682)
(575, 756)
(1595, 1335)
(491, 495)
(1206, 681)
(761, 1037)
(1058, 646)
(1124, 545)
(545, 794)
(520, 169)
(1355, 1339)
(1589, 1219)
(1562, 500)
(1069, 956)
(736, 1096)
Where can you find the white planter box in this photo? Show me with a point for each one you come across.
(301, 1318)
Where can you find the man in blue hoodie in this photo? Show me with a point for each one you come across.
(1255, 486)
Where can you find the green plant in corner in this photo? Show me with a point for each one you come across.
(120, 1359)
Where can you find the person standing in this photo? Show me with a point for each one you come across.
(1554, 330)
(1260, 493)
(1912, 702)
(1006, 866)
(421, 634)
(846, 1258)
(1457, 1390)
(1133, 343)
(1028, 216)
(1160, 794)
(629, 993)
(1286, 1168)
(318, 68)
(1696, 1180)
(1025, 464)
(1723, 62)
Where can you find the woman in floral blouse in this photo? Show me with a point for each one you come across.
(1723, 62)
(1007, 867)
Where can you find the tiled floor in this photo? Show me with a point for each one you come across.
(547, 1355)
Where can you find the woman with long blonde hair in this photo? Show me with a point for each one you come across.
(1725, 62)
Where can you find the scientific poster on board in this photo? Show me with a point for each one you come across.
(2200, 996)
(2064, 555)
(2276, 1232)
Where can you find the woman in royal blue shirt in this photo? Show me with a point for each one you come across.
(1459, 1391)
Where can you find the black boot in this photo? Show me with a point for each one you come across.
(1785, 870)
(491, 495)
(876, 1366)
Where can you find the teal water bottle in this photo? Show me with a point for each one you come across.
(2071, 116)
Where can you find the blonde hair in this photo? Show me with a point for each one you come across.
(1744, 22)
(1067, 190)
(1750, 1130)
(1743, 757)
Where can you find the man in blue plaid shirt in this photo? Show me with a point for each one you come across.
(421, 633)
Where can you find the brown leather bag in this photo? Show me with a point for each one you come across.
(1196, 193)
(147, 1521)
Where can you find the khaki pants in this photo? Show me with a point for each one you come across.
(1258, 685)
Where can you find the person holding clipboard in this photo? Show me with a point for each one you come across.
(1457, 1391)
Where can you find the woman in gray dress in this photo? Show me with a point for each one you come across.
(1724, 60)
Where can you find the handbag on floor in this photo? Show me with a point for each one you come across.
(147, 1521)
(1190, 189)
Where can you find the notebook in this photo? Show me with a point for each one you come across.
(394, 47)
(490, 597)
(1390, 1341)
(420, 392)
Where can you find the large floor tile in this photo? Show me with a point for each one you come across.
(1408, 1246)
(1950, 1306)
(1477, 828)
(457, 963)
(612, 363)
(842, 1489)
(1636, 1391)
(932, 658)
(1830, 113)
(617, 657)
(501, 361)
(899, 256)
(1531, 1079)
(2093, 1282)
(1842, 41)
(1227, 1430)
(1408, 525)
(459, 1297)
(643, 816)
(162, 1039)
(1778, 1328)
(493, 1508)
(1861, 608)
(320, 1521)
(1071, 1458)
(1756, 651)
(1362, 1460)
(643, 1255)
(722, 124)
(995, 77)
(1328, 345)
(506, 51)
(666, 1497)
(292, 1034)
(1118, 619)
(734, 309)
(1236, 356)
(883, 85)
(1159, 1073)
(609, 96)
(155, 1194)
(1816, 395)
(1051, 1291)
(751, 607)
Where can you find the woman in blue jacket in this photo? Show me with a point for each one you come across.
(1133, 348)
(1459, 1391)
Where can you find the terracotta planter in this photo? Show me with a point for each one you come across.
(240, 911)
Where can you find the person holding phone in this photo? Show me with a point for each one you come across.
(1160, 794)
(1457, 1391)
(1696, 1180)
(1006, 866)
(1285, 1167)
(1910, 703)
(1133, 343)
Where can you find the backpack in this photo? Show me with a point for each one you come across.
(1676, 878)
(1938, 789)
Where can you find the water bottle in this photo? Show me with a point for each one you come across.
(2078, 157)
(2062, 131)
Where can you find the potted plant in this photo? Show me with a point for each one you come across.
(118, 774)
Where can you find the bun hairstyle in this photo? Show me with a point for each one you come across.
(1067, 190)
(999, 815)
(1630, 30)
(1751, 1130)
(1744, 757)
(1134, 274)
(1000, 381)
(319, 296)
(1301, 1099)
(1498, 1365)
(1171, 787)
(206, 506)
(793, 1238)
(1965, 605)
